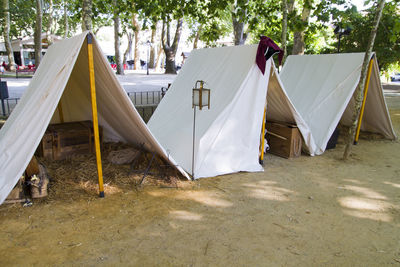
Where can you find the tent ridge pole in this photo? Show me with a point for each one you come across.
(94, 114)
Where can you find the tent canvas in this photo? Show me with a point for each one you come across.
(227, 136)
(63, 79)
(321, 88)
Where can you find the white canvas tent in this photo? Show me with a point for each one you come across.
(321, 88)
(62, 79)
(227, 137)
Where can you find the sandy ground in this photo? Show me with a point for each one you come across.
(308, 211)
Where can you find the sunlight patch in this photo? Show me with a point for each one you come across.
(376, 216)
(185, 215)
(359, 203)
(268, 191)
(392, 184)
(204, 197)
(352, 181)
(157, 194)
(90, 186)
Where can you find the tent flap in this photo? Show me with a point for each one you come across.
(63, 77)
(321, 88)
(228, 134)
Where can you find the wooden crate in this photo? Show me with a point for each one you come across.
(65, 139)
(284, 140)
(17, 194)
(45, 148)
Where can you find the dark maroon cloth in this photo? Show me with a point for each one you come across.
(265, 44)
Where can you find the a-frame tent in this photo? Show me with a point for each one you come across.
(321, 87)
(227, 136)
(60, 91)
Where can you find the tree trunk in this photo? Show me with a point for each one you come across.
(136, 31)
(170, 67)
(87, 15)
(38, 33)
(117, 43)
(238, 31)
(66, 25)
(197, 37)
(290, 4)
(129, 48)
(6, 35)
(298, 36)
(159, 53)
(170, 50)
(238, 27)
(50, 20)
(359, 93)
(298, 43)
(284, 29)
(153, 48)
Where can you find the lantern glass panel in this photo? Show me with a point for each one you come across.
(196, 97)
(205, 97)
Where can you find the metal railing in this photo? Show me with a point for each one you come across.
(9, 105)
(145, 98)
(145, 103)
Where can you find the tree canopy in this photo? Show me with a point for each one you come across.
(387, 43)
(310, 23)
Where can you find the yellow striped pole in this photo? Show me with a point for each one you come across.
(364, 100)
(94, 114)
(263, 137)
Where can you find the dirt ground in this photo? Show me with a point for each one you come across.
(308, 211)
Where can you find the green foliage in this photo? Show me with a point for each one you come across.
(206, 18)
(209, 27)
(266, 20)
(167, 10)
(213, 20)
(387, 42)
(102, 13)
(259, 16)
(22, 21)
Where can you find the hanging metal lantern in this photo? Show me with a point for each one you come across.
(200, 98)
(200, 95)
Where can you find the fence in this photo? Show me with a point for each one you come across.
(145, 103)
(9, 105)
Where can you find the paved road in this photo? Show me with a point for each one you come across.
(391, 89)
(136, 81)
(140, 82)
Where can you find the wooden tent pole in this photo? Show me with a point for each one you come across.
(60, 112)
(94, 114)
(364, 100)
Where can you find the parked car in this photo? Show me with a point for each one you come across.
(395, 77)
